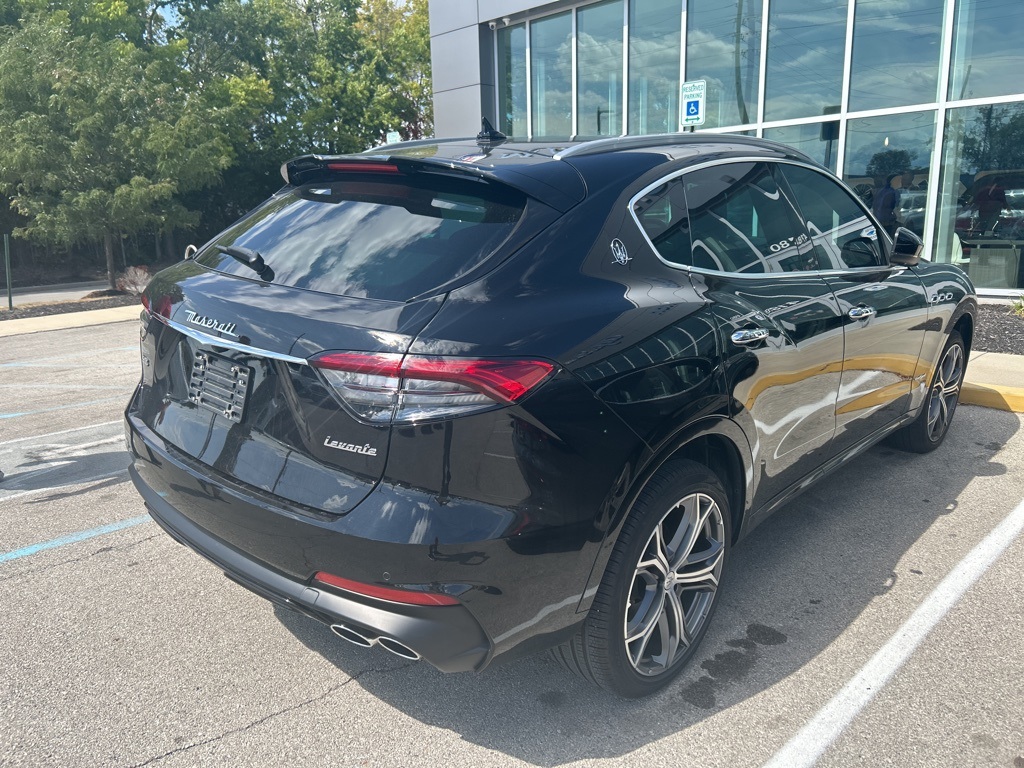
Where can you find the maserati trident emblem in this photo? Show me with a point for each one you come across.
(619, 253)
(228, 329)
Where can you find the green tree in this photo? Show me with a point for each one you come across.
(101, 136)
(395, 70)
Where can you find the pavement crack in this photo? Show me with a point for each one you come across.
(272, 715)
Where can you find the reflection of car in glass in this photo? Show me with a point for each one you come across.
(911, 203)
(465, 400)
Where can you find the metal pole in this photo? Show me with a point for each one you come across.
(7, 263)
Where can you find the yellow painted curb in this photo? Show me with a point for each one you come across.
(69, 320)
(993, 396)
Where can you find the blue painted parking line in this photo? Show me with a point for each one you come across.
(73, 538)
(61, 407)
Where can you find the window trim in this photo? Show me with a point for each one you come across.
(883, 236)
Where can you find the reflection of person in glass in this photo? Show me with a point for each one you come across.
(990, 201)
(884, 205)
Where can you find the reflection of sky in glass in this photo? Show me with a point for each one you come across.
(599, 69)
(804, 74)
(512, 80)
(896, 46)
(654, 36)
(912, 134)
(988, 49)
(359, 249)
(551, 68)
(712, 50)
(807, 139)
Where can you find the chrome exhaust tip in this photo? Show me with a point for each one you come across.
(353, 636)
(397, 648)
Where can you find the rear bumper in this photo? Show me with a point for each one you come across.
(448, 637)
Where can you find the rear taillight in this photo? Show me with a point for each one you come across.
(388, 387)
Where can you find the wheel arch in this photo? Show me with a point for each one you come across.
(717, 443)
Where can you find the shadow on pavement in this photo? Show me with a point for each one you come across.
(796, 585)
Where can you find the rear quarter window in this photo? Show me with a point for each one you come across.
(390, 239)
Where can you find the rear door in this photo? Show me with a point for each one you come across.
(780, 327)
(272, 359)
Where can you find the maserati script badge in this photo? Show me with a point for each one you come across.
(619, 252)
(228, 329)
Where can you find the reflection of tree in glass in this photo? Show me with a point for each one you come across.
(996, 139)
(890, 161)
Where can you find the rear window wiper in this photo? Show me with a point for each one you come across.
(250, 258)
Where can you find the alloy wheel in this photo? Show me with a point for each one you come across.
(674, 584)
(945, 392)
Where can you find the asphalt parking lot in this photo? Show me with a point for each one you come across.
(875, 621)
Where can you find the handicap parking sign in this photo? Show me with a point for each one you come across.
(691, 101)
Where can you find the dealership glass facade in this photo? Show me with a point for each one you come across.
(924, 96)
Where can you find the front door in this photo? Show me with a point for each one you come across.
(884, 308)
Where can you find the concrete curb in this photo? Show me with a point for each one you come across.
(69, 320)
(993, 396)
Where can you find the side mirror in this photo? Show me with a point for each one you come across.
(906, 248)
(190, 251)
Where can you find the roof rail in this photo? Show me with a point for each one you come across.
(598, 146)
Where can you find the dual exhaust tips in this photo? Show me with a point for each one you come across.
(365, 639)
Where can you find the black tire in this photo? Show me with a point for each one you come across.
(638, 597)
(928, 430)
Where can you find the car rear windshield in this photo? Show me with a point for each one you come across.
(390, 239)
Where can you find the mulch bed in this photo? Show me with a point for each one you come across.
(60, 307)
(999, 329)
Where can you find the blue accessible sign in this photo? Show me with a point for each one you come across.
(691, 103)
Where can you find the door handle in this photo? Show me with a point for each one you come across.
(747, 336)
(862, 313)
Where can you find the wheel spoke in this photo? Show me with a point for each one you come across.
(697, 508)
(655, 556)
(672, 627)
(642, 629)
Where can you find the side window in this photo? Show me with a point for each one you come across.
(662, 214)
(843, 235)
(742, 221)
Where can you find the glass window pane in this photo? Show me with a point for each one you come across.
(987, 53)
(662, 214)
(806, 40)
(723, 47)
(741, 221)
(512, 80)
(980, 222)
(843, 235)
(888, 158)
(551, 67)
(654, 56)
(599, 69)
(896, 50)
(818, 140)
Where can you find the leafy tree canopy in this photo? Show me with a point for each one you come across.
(150, 116)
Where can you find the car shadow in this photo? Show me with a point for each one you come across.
(33, 475)
(795, 586)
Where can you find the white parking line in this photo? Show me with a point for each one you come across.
(61, 432)
(804, 749)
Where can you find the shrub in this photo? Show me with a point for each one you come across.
(134, 280)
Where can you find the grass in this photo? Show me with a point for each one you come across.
(1018, 306)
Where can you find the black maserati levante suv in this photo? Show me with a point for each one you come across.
(468, 399)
